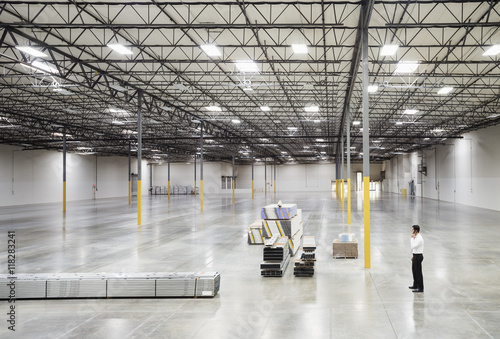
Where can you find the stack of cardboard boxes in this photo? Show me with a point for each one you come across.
(345, 246)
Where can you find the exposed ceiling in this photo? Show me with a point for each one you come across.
(92, 92)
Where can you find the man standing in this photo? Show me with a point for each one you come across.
(417, 248)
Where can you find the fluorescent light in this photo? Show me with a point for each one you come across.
(410, 111)
(211, 50)
(299, 48)
(493, 50)
(438, 130)
(166, 108)
(62, 91)
(213, 108)
(292, 128)
(236, 121)
(372, 88)
(118, 88)
(317, 121)
(120, 49)
(426, 138)
(247, 66)
(30, 50)
(58, 134)
(284, 152)
(128, 131)
(356, 123)
(320, 140)
(117, 122)
(84, 148)
(445, 90)
(399, 122)
(406, 67)
(247, 89)
(311, 109)
(265, 108)
(46, 67)
(493, 116)
(117, 110)
(180, 87)
(388, 50)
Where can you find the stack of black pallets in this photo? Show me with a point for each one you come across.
(304, 264)
(276, 256)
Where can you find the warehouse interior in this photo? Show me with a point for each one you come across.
(147, 136)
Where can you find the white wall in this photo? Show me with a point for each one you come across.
(314, 177)
(31, 177)
(465, 171)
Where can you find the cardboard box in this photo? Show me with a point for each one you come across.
(345, 249)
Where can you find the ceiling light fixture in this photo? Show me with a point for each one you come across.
(406, 67)
(445, 90)
(236, 121)
(399, 122)
(372, 88)
(410, 111)
(46, 67)
(493, 50)
(118, 88)
(62, 91)
(246, 66)
(30, 50)
(311, 109)
(320, 140)
(299, 48)
(120, 49)
(211, 50)
(292, 128)
(356, 123)
(265, 108)
(213, 108)
(388, 50)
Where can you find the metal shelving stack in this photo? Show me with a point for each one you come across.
(306, 258)
(276, 256)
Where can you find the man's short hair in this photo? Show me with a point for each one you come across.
(416, 228)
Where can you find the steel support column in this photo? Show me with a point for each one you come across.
(139, 159)
(366, 139)
(348, 128)
(129, 173)
(201, 166)
(64, 169)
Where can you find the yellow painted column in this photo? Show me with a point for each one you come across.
(342, 187)
(168, 189)
(233, 191)
(348, 201)
(139, 202)
(129, 198)
(366, 182)
(201, 195)
(64, 196)
(195, 187)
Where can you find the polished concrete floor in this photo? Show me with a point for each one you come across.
(342, 300)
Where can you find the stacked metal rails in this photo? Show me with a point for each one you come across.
(306, 258)
(283, 220)
(276, 256)
(255, 235)
(110, 285)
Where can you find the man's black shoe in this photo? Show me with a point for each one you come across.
(411, 287)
